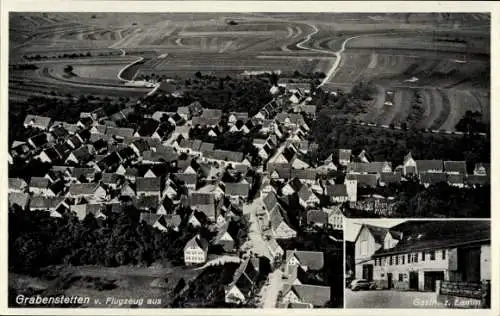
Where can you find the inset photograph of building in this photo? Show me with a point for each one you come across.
(417, 264)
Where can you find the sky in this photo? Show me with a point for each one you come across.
(352, 226)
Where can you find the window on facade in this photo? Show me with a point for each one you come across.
(409, 257)
(443, 254)
(423, 255)
(403, 259)
(397, 260)
(364, 247)
(400, 278)
(433, 255)
(390, 260)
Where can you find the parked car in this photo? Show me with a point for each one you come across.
(362, 284)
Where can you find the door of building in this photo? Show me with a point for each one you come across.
(390, 285)
(430, 279)
(368, 272)
(414, 280)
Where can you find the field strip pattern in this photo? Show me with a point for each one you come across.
(445, 110)
(427, 105)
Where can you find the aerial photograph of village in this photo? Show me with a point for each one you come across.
(231, 160)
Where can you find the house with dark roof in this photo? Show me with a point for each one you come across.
(120, 132)
(279, 225)
(205, 203)
(474, 181)
(317, 218)
(243, 283)
(195, 250)
(147, 128)
(431, 178)
(388, 178)
(81, 155)
(42, 203)
(237, 190)
(364, 180)
(455, 167)
(307, 260)
(188, 179)
(224, 238)
(429, 166)
(375, 167)
(456, 180)
(39, 185)
(337, 193)
(148, 186)
(426, 256)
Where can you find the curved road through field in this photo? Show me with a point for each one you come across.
(338, 54)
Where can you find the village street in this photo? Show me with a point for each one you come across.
(256, 242)
(269, 292)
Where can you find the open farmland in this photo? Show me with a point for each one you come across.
(445, 56)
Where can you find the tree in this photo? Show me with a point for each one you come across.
(68, 69)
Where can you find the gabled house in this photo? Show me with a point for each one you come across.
(307, 260)
(237, 190)
(224, 239)
(80, 156)
(39, 185)
(275, 250)
(74, 141)
(188, 179)
(147, 203)
(432, 178)
(455, 167)
(82, 210)
(90, 191)
(307, 198)
(429, 166)
(279, 227)
(112, 180)
(482, 169)
(204, 203)
(87, 174)
(148, 186)
(337, 193)
(17, 185)
(36, 121)
(147, 128)
(120, 132)
(38, 141)
(127, 190)
(335, 217)
(42, 203)
(375, 167)
(243, 283)
(195, 250)
(317, 218)
(345, 156)
(315, 295)
(19, 199)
